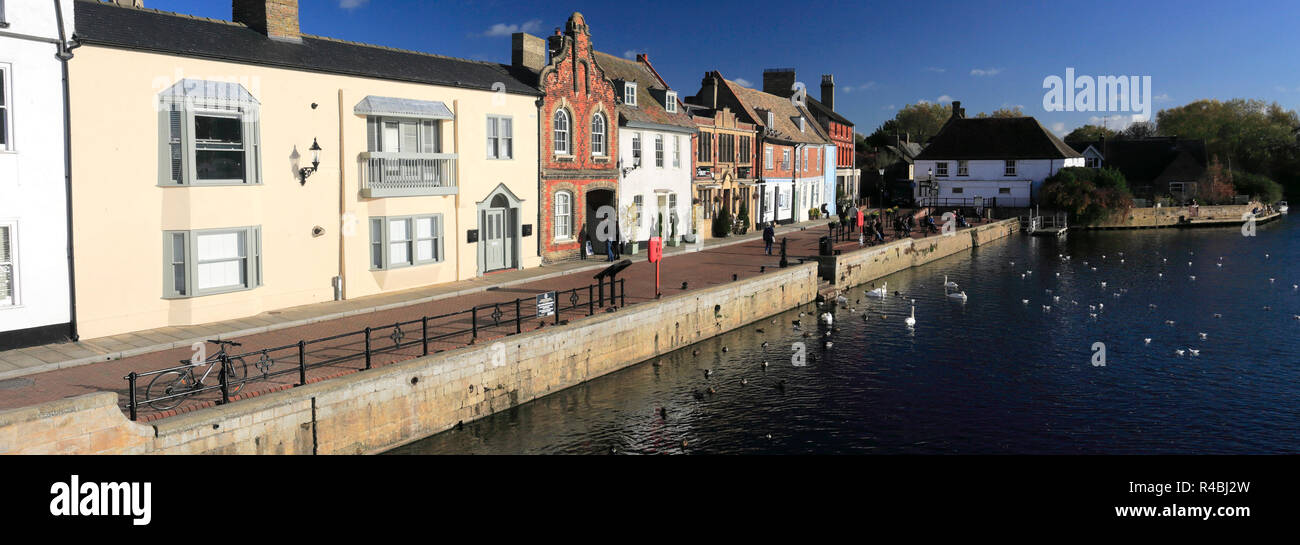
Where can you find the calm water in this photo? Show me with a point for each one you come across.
(993, 375)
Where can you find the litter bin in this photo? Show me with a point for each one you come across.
(825, 247)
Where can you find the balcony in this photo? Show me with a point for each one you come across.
(407, 174)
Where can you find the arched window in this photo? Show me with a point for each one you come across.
(561, 132)
(563, 226)
(598, 135)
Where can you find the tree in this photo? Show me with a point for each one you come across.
(1252, 136)
(1089, 133)
(1258, 187)
(1217, 184)
(1004, 113)
(1088, 195)
(1139, 130)
(918, 121)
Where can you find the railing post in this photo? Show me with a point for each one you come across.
(473, 324)
(622, 292)
(591, 301)
(130, 377)
(424, 334)
(367, 348)
(519, 324)
(600, 285)
(225, 382)
(559, 307)
(302, 363)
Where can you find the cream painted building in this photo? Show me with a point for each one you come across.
(195, 198)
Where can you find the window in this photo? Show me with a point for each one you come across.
(941, 169)
(1010, 168)
(4, 99)
(767, 157)
(659, 150)
(405, 241)
(771, 120)
(745, 156)
(956, 191)
(677, 152)
(727, 148)
(8, 264)
(598, 135)
(1092, 162)
(3, 23)
(802, 126)
(785, 159)
(705, 152)
(1004, 191)
(670, 103)
(500, 137)
(403, 135)
(963, 168)
(805, 159)
(210, 134)
(211, 261)
(706, 202)
(629, 93)
(636, 148)
(638, 203)
(563, 215)
(561, 126)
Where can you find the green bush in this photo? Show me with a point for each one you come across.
(1088, 195)
(744, 217)
(1258, 187)
(721, 224)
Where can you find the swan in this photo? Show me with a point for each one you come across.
(956, 295)
(1179, 351)
(948, 284)
(911, 320)
(1194, 351)
(1093, 315)
(1147, 340)
(827, 318)
(1047, 308)
(1193, 277)
(1103, 284)
(842, 300)
(1101, 306)
(880, 292)
(1024, 301)
(1169, 322)
(1202, 336)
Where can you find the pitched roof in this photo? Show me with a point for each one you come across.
(651, 95)
(107, 24)
(786, 116)
(1147, 159)
(817, 108)
(996, 138)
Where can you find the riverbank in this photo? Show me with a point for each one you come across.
(388, 406)
(1184, 216)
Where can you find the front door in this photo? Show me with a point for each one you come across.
(494, 239)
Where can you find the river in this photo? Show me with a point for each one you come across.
(991, 375)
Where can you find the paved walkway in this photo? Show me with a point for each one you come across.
(342, 352)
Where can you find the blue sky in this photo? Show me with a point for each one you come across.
(883, 54)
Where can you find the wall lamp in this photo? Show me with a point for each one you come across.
(305, 172)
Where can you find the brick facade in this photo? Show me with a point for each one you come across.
(573, 82)
(275, 18)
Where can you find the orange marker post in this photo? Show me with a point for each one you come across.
(656, 255)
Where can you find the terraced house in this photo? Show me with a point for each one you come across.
(725, 180)
(655, 173)
(245, 166)
(578, 167)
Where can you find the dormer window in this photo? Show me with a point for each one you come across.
(670, 103)
(629, 93)
(802, 127)
(771, 120)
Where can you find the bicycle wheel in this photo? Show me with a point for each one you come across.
(166, 384)
(236, 370)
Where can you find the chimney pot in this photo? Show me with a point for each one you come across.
(828, 91)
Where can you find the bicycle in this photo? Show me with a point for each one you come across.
(183, 381)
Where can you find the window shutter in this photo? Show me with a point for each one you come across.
(372, 134)
(252, 146)
(255, 259)
(428, 137)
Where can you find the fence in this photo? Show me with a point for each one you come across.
(370, 346)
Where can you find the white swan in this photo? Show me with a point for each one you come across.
(911, 320)
(880, 292)
(827, 318)
(1194, 351)
(956, 295)
(947, 283)
(1147, 340)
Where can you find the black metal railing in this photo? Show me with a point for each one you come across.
(410, 338)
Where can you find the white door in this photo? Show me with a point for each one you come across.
(494, 239)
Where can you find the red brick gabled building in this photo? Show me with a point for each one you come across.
(578, 128)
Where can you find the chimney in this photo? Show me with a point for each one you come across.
(643, 58)
(278, 19)
(828, 91)
(527, 51)
(708, 95)
(554, 44)
(957, 111)
(779, 81)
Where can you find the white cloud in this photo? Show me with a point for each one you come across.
(988, 72)
(889, 107)
(502, 29)
(864, 87)
(944, 99)
(632, 53)
(1163, 97)
(1058, 128)
(743, 82)
(352, 4)
(935, 69)
(1117, 122)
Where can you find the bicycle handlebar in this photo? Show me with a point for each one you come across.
(231, 343)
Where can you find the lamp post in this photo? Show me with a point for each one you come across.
(305, 172)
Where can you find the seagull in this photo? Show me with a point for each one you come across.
(1217, 315)
(1193, 277)
(1270, 281)
(1152, 305)
(1147, 340)
(1103, 284)
(1169, 322)
(1202, 336)
(1179, 351)
(1093, 315)
(1047, 308)
(1194, 351)
(1056, 298)
(1024, 301)
(1092, 307)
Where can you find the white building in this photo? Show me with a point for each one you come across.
(35, 295)
(655, 153)
(989, 161)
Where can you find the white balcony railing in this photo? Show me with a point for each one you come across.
(407, 174)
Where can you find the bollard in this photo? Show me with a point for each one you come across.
(225, 385)
(131, 377)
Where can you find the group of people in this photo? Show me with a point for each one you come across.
(612, 249)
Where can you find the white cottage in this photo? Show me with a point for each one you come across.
(655, 169)
(989, 161)
(35, 293)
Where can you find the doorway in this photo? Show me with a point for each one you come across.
(597, 198)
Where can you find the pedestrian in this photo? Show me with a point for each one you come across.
(769, 236)
(610, 245)
(584, 244)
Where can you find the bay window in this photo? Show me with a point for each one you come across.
(211, 261)
(405, 241)
(210, 134)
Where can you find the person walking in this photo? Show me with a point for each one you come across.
(769, 236)
(584, 244)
